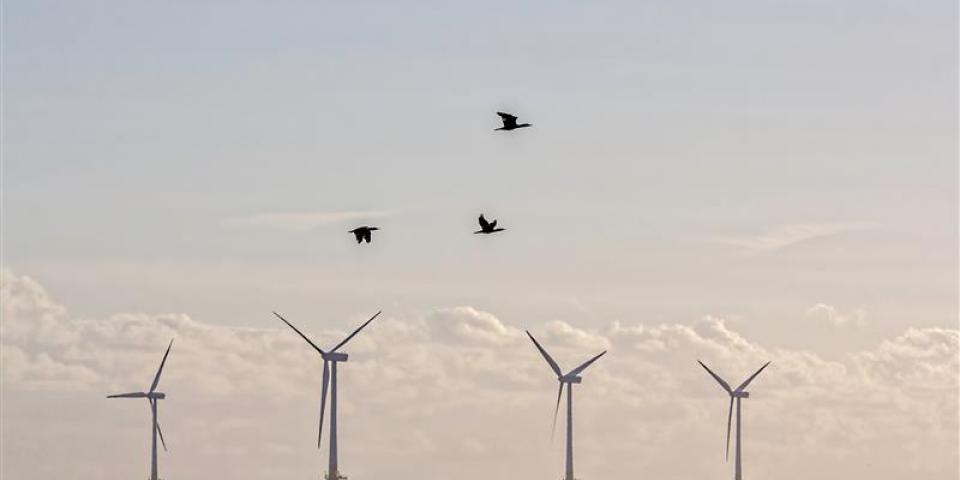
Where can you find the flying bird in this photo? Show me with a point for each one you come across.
(488, 227)
(510, 122)
(363, 233)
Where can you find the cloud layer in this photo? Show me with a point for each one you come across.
(458, 392)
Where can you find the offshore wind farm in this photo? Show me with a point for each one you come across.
(645, 215)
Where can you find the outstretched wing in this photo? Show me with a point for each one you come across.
(484, 224)
(493, 225)
(508, 120)
(366, 236)
(359, 234)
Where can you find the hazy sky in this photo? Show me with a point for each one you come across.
(738, 182)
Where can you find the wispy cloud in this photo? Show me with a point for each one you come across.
(299, 221)
(837, 318)
(791, 234)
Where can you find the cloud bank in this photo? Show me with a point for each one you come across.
(460, 393)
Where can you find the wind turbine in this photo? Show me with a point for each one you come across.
(737, 393)
(568, 379)
(152, 396)
(333, 357)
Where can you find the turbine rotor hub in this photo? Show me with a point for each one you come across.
(335, 357)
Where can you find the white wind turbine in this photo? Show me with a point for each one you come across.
(330, 378)
(568, 379)
(737, 394)
(152, 396)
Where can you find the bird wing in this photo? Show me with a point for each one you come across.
(493, 225)
(359, 234)
(484, 224)
(366, 236)
(508, 120)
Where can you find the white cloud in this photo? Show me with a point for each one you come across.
(791, 234)
(300, 221)
(836, 318)
(460, 392)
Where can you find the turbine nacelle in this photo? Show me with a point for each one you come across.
(157, 395)
(741, 395)
(335, 357)
(570, 379)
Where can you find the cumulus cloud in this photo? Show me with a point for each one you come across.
(786, 235)
(299, 221)
(459, 392)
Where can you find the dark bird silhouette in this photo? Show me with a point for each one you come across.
(510, 122)
(363, 233)
(488, 227)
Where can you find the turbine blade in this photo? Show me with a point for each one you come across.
(546, 356)
(725, 385)
(323, 398)
(729, 419)
(315, 347)
(156, 379)
(584, 365)
(162, 441)
(156, 424)
(345, 340)
(160, 431)
(747, 381)
(556, 411)
(128, 395)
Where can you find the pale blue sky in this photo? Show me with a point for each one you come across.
(136, 132)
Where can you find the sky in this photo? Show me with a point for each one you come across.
(736, 183)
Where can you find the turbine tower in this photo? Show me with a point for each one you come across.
(152, 396)
(330, 360)
(568, 379)
(735, 394)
